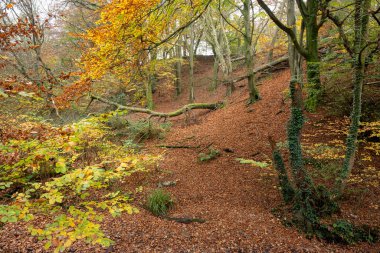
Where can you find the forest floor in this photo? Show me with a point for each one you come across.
(235, 199)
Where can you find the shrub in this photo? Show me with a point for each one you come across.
(143, 130)
(159, 202)
(130, 145)
(117, 122)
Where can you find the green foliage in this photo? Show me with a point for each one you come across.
(129, 144)
(56, 170)
(253, 162)
(211, 155)
(348, 233)
(159, 202)
(66, 229)
(323, 170)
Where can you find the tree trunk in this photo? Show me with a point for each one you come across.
(361, 29)
(226, 47)
(191, 58)
(178, 69)
(293, 54)
(149, 93)
(248, 24)
(215, 80)
(312, 60)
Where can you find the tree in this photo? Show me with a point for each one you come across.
(24, 32)
(128, 32)
(309, 12)
(250, 43)
(360, 47)
(249, 54)
(191, 63)
(217, 37)
(310, 202)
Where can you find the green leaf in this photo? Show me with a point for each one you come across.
(47, 245)
(12, 219)
(60, 166)
(253, 162)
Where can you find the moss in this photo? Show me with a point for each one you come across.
(211, 155)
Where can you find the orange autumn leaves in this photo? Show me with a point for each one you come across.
(124, 30)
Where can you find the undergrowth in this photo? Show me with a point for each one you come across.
(145, 129)
(159, 202)
(54, 171)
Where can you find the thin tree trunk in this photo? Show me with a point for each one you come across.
(248, 23)
(178, 69)
(191, 58)
(215, 80)
(149, 93)
(361, 29)
(293, 54)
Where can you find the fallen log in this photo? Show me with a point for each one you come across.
(238, 59)
(259, 69)
(184, 109)
(177, 146)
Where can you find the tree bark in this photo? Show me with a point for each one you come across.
(178, 69)
(191, 59)
(249, 61)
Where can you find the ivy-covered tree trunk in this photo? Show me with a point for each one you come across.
(361, 29)
(248, 27)
(312, 59)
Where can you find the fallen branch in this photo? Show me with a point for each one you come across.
(375, 83)
(238, 59)
(174, 146)
(184, 220)
(184, 109)
(259, 69)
